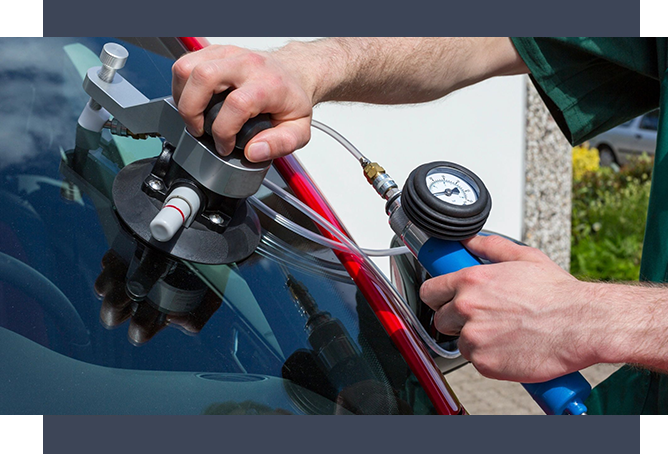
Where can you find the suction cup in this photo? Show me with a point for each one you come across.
(195, 244)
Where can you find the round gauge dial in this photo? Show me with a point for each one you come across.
(446, 200)
(451, 186)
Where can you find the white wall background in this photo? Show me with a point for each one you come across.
(480, 127)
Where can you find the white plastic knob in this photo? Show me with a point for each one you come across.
(180, 206)
(93, 120)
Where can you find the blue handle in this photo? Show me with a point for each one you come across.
(562, 395)
(556, 397)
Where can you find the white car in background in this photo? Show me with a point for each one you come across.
(632, 138)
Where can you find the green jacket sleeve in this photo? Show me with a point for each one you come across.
(593, 84)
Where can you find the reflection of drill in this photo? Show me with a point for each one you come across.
(334, 368)
(334, 350)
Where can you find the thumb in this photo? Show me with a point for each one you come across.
(497, 249)
(280, 140)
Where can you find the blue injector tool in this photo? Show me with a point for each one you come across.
(441, 204)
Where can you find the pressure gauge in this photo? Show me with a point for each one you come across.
(451, 186)
(446, 200)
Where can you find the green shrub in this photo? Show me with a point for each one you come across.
(608, 223)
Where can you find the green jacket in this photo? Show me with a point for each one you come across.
(591, 85)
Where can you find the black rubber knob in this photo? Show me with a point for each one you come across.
(249, 130)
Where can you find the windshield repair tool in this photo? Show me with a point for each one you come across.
(189, 202)
(442, 204)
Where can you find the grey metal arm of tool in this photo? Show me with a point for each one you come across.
(230, 176)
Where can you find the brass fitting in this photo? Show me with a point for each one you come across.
(381, 181)
(372, 170)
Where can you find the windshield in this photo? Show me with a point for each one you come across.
(91, 321)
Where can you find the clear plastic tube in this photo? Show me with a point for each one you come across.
(298, 229)
(319, 239)
(283, 194)
(353, 248)
(399, 250)
(339, 138)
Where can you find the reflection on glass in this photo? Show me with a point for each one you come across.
(152, 292)
(284, 331)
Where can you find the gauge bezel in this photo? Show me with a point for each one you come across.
(437, 217)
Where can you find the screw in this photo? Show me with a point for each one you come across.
(154, 184)
(216, 219)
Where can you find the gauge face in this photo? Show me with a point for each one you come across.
(451, 186)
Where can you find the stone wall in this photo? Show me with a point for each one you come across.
(547, 206)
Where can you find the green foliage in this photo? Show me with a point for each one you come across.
(608, 223)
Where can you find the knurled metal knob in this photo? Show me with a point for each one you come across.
(113, 58)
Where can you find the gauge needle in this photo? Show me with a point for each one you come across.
(448, 192)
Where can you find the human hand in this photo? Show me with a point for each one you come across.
(262, 82)
(521, 318)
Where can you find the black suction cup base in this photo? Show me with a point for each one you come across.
(196, 243)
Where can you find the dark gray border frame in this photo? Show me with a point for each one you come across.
(342, 18)
(328, 434)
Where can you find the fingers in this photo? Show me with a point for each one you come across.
(259, 84)
(438, 290)
(451, 295)
(215, 72)
(109, 285)
(206, 79)
(197, 79)
(240, 105)
(184, 66)
(498, 249)
(449, 320)
(115, 308)
(245, 103)
(440, 293)
(145, 323)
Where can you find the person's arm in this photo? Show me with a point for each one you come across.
(288, 82)
(525, 319)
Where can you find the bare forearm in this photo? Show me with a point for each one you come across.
(287, 83)
(630, 324)
(398, 70)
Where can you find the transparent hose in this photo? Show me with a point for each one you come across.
(339, 138)
(399, 250)
(298, 229)
(319, 239)
(405, 310)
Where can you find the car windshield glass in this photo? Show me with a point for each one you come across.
(283, 331)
